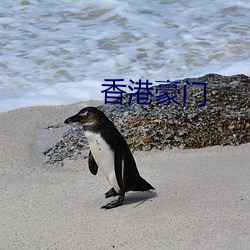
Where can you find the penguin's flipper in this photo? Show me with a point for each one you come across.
(118, 166)
(93, 167)
(111, 193)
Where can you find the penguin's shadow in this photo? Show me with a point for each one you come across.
(137, 198)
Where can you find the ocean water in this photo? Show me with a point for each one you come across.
(60, 52)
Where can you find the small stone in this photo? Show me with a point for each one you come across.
(181, 133)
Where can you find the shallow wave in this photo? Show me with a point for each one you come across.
(46, 43)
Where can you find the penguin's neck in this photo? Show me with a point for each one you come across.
(94, 127)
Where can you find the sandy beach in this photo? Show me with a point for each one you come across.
(201, 198)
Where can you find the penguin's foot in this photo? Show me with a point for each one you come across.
(111, 193)
(113, 204)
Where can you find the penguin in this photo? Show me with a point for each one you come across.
(110, 152)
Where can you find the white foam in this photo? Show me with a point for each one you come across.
(56, 94)
(242, 67)
(50, 48)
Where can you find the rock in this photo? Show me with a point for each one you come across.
(224, 120)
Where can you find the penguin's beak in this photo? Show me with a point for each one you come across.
(74, 118)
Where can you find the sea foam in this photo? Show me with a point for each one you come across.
(60, 52)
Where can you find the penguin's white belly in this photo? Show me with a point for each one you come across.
(104, 157)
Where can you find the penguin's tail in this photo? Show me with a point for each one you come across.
(141, 185)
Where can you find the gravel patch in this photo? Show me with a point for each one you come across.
(224, 120)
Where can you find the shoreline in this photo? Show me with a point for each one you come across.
(201, 197)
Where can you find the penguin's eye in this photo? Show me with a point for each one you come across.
(84, 115)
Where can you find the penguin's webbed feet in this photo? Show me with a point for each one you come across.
(111, 193)
(113, 204)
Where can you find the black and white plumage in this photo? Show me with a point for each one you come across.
(110, 152)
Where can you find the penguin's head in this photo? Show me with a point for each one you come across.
(89, 116)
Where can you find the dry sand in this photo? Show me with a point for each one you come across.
(201, 201)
